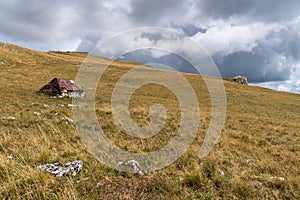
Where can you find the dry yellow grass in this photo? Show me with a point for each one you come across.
(260, 139)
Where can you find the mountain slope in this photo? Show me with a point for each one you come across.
(260, 139)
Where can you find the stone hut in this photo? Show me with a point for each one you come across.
(240, 79)
(63, 87)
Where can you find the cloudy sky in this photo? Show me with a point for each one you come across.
(256, 38)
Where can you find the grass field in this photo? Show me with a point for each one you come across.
(260, 138)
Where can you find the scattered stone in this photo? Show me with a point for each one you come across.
(99, 184)
(9, 157)
(131, 165)
(67, 105)
(249, 160)
(68, 120)
(46, 106)
(273, 178)
(8, 118)
(73, 105)
(61, 168)
(2, 63)
(37, 113)
(221, 172)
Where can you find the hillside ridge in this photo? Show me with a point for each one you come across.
(257, 155)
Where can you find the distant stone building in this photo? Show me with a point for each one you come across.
(240, 79)
(63, 87)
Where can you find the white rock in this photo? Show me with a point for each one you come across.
(273, 178)
(221, 172)
(8, 118)
(73, 105)
(68, 119)
(133, 165)
(62, 168)
(37, 113)
(99, 184)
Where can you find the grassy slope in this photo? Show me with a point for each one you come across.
(261, 138)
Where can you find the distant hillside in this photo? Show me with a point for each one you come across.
(260, 141)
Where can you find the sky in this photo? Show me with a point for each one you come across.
(259, 39)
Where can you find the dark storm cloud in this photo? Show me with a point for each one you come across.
(252, 10)
(168, 62)
(27, 19)
(156, 12)
(224, 9)
(190, 29)
(152, 36)
(56, 22)
(293, 44)
(271, 60)
(253, 65)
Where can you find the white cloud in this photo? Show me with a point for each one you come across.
(285, 86)
(225, 38)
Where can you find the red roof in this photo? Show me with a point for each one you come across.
(58, 85)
